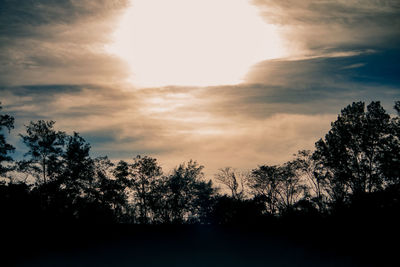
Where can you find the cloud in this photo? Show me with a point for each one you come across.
(349, 12)
(23, 16)
(374, 67)
(241, 126)
(341, 51)
(122, 123)
(53, 66)
(58, 42)
(323, 26)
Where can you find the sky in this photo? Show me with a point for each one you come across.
(225, 82)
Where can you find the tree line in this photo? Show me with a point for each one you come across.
(355, 168)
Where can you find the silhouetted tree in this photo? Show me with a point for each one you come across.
(290, 186)
(314, 175)
(354, 173)
(16, 205)
(233, 180)
(187, 198)
(352, 148)
(280, 186)
(231, 211)
(6, 122)
(141, 178)
(107, 193)
(76, 172)
(390, 158)
(45, 148)
(264, 181)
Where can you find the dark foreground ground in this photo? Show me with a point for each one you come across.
(333, 244)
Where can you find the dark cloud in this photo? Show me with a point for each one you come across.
(42, 90)
(58, 42)
(335, 24)
(344, 51)
(373, 67)
(19, 14)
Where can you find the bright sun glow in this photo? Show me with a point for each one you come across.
(193, 42)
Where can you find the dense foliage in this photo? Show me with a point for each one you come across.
(354, 170)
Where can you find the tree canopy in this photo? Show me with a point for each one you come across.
(6, 123)
(356, 162)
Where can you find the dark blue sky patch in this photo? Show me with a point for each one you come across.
(370, 68)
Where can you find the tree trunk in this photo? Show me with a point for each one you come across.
(44, 169)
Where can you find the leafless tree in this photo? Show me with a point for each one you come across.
(234, 180)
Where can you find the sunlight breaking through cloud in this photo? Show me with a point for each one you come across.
(187, 42)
